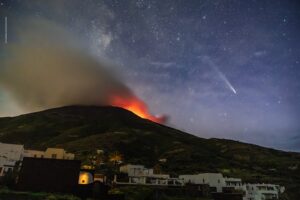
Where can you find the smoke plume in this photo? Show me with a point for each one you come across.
(47, 67)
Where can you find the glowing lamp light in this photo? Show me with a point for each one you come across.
(85, 178)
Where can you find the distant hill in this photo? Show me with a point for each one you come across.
(83, 129)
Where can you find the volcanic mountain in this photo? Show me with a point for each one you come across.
(83, 129)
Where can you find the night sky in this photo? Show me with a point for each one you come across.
(217, 68)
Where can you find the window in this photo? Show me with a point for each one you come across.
(54, 156)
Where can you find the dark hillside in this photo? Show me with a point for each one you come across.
(83, 129)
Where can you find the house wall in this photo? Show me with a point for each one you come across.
(54, 153)
(69, 156)
(138, 174)
(49, 175)
(235, 183)
(6, 166)
(262, 191)
(34, 154)
(10, 154)
(212, 179)
(11, 151)
(132, 170)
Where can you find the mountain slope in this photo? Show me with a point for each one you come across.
(83, 129)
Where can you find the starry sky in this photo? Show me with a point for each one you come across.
(217, 68)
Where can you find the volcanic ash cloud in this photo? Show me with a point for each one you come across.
(47, 68)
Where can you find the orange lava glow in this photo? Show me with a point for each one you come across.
(136, 106)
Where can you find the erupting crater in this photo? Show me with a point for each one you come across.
(138, 107)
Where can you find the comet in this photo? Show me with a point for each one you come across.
(220, 74)
(226, 81)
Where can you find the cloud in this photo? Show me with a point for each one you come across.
(260, 53)
(162, 64)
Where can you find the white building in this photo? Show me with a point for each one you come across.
(138, 174)
(263, 191)
(250, 191)
(136, 170)
(54, 153)
(214, 180)
(235, 183)
(10, 154)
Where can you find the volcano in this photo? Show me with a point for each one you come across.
(83, 129)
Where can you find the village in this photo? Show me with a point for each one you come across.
(57, 171)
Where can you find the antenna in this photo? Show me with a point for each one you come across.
(5, 30)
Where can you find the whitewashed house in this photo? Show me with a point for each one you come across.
(136, 170)
(263, 191)
(235, 183)
(10, 154)
(250, 191)
(138, 174)
(214, 180)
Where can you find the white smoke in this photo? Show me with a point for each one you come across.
(46, 67)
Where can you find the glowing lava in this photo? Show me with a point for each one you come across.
(138, 107)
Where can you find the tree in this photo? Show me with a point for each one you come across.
(115, 158)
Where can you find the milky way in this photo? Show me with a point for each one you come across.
(164, 50)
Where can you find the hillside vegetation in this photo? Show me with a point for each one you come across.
(83, 129)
